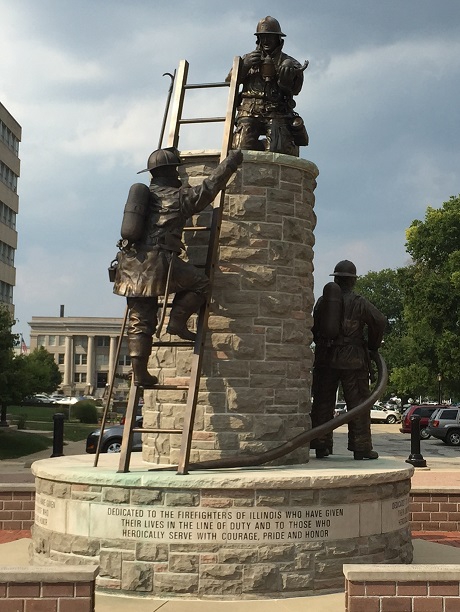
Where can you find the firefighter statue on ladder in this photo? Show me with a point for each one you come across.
(148, 263)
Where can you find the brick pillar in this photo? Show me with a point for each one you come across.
(255, 388)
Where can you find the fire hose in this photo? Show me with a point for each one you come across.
(306, 436)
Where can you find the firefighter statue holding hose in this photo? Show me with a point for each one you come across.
(347, 329)
(150, 248)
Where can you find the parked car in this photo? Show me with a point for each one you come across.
(445, 425)
(425, 411)
(384, 415)
(111, 439)
(340, 408)
(69, 401)
(37, 400)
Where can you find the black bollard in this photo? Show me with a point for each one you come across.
(58, 435)
(415, 458)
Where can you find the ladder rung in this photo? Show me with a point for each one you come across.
(148, 430)
(206, 85)
(173, 343)
(171, 387)
(202, 120)
(197, 228)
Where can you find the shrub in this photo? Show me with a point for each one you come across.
(85, 411)
(21, 421)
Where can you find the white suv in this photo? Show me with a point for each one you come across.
(384, 415)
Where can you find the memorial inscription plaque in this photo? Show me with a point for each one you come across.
(197, 525)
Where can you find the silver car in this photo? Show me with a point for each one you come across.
(444, 424)
(111, 438)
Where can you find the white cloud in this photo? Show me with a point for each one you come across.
(85, 81)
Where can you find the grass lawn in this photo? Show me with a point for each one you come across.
(15, 443)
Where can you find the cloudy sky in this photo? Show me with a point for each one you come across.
(84, 79)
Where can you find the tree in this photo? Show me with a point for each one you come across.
(22, 375)
(7, 342)
(384, 290)
(432, 294)
(422, 303)
(41, 371)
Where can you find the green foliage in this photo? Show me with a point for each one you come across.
(85, 411)
(385, 292)
(21, 421)
(423, 300)
(25, 374)
(432, 241)
(41, 371)
(432, 302)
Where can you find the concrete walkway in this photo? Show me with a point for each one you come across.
(16, 554)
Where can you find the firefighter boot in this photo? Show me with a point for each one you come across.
(359, 455)
(140, 348)
(184, 305)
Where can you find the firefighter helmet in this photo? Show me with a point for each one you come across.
(269, 25)
(162, 157)
(345, 268)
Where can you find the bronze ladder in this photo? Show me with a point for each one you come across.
(181, 86)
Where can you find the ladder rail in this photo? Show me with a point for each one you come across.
(198, 353)
(111, 386)
(128, 430)
(178, 103)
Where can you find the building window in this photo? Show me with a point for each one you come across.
(79, 377)
(80, 359)
(52, 340)
(6, 253)
(6, 293)
(61, 359)
(7, 216)
(125, 360)
(8, 177)
(7, 137)
(81, 342)
(61, 340)
(102, 360)
(103, 341)
(41, 340)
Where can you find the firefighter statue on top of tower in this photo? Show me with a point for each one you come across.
(269, 81)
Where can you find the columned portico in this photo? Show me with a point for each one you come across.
(90, 367)
(85, 350)
(68, 361)
(112, 356)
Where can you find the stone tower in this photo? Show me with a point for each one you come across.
(255, 387)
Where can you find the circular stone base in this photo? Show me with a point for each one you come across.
(241, 533)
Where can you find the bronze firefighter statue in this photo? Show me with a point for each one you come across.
(151, 242)
(270, 79)
(342, 356)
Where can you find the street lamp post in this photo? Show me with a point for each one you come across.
(439, 388)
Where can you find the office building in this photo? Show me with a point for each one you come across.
(10, 137)
(85, 349)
